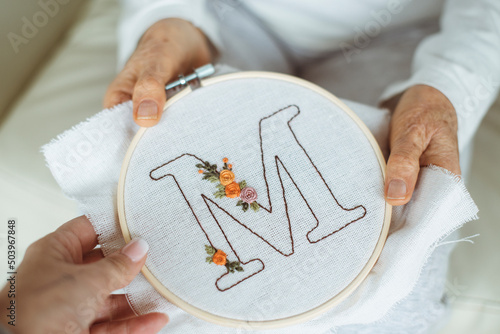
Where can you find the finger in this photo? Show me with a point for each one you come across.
(149, 95)
(117, 270)
(147, 324)
(93, 256)
(69, 242)
(116, 307)
(404, 164)
(116, 97)
(81, 228)
(443, 152)
(121, 89)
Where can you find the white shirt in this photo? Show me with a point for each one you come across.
(462, 60)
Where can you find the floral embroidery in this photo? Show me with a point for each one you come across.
(226, 177)
(218, 257)
(227, 186)
(233, 190)
(248, 195)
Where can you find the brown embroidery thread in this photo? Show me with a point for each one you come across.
(270, 210)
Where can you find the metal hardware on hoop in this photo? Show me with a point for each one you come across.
(193, 79)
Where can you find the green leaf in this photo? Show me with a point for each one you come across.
(207, 163)
(238, 268)
(213, 179)
(255, 207)
(210, 250)
(220, 187)
(245, 207)
(220, 193)
(199, 166)
(240, 203)
(243, 184)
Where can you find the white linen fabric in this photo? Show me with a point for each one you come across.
(86, 162)
(318, 181)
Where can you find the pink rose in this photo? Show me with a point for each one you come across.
(248, 195)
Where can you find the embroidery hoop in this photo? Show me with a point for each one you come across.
(268, 324)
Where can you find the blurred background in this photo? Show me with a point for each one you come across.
(56, 62)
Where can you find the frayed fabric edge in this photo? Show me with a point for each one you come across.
(458, 180)
(103, 113)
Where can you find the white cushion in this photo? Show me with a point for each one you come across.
(68, 90)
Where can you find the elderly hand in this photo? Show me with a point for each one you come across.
(168, 48)
(63, 285)
(423, 132)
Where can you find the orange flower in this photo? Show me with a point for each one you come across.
(219, 258)
(233, 190)
(224, 160)
(200, 171)
(230, 166)
(226, 177)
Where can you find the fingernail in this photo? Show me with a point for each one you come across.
(136, 249)
(396, 189)
(148, 109)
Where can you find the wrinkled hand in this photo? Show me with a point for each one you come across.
(423, 131)
(168, 48)
(64, 284)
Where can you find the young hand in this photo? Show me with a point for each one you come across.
(63, 285)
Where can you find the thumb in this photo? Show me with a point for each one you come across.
(119, 269)
(149, 97)
(403, 166)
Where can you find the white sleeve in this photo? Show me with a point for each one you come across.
(462, 61)
(138, 15)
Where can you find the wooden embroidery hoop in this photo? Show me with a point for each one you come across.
(269, 324)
